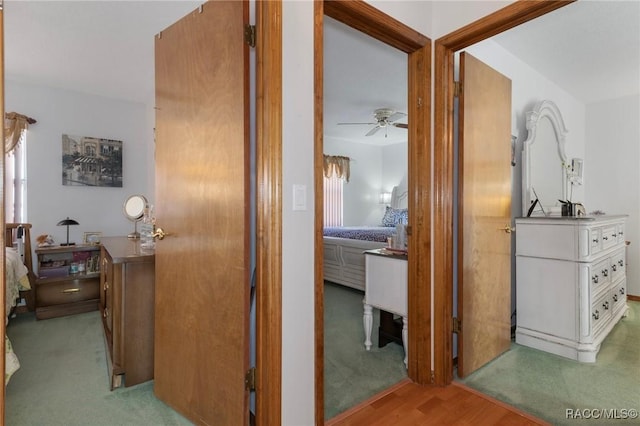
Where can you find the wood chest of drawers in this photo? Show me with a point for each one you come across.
(127, 297)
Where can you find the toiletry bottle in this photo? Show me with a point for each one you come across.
(146, 229)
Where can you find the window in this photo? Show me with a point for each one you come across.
(15, 182)
(333, 201)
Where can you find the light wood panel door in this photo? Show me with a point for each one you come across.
(202, 202)
(484, 249)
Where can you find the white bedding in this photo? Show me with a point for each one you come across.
(17, 279)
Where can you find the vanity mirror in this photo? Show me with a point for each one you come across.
(544, 161)
(133, 209)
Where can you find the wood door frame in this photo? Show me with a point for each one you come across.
(369, 20)
(504, 19)
(3, 287)
(268, 213)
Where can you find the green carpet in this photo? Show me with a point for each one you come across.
(63, 378)
(547, 385)
(353, 374)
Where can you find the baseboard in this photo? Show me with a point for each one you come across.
(634, 298)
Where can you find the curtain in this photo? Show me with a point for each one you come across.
(14, 126)
(337, 165)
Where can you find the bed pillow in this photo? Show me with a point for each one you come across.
(393, 217)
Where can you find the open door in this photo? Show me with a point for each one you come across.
(202, 204)
(484, 242)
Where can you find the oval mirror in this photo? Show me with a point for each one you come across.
(544, 174)
(133, 208)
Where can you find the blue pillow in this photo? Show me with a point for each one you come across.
(393, 217)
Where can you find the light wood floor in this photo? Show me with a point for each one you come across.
(411, 404)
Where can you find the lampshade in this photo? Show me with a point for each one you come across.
(385, 197)
(66, 222)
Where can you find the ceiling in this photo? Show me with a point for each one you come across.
(106, 48)
(98, 47)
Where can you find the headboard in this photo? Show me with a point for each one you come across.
(14, 232)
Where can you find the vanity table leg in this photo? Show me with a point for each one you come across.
(405, 335)
(368, 325)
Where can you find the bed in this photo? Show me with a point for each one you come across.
(344, 246)
(19, 275)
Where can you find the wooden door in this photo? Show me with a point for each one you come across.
(484, 245)
(202, 202)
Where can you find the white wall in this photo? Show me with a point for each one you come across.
(374, 169)
(58, 112)
(612, 175)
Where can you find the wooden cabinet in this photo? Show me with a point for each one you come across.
(127, 307)
(570, 283)
(68, 280)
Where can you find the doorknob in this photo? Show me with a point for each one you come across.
(508, 229)
(160, 234)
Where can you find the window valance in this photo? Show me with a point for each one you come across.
(14, 126)
(337, 165)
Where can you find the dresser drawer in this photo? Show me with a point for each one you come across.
(69, 291)
(600, 276)
(619, 296)
(617, 265)
(600, 313)
(609, 236)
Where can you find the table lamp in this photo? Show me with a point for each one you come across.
(66, 222)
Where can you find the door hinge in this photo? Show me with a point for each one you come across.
(457, 89)
(409, 230)
(250, 35)
(433, 376)
(250, 379)
(456, 325)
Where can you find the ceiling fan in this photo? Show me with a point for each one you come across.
(384, 117)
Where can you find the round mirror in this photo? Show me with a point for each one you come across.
(134, 210)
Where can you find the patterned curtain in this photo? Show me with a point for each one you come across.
(14, 125)
(337, 165)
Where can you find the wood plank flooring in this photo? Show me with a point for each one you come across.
(411, 404)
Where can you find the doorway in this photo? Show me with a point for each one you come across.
(445, 49)
(370, 21)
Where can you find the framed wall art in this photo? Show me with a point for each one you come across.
(89, 161)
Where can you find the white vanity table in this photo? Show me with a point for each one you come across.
(570, 283)
(386, 289)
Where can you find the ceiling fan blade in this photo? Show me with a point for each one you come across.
(395, 116)
(373, 131)
(400, 125)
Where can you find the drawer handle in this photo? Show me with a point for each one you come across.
(605, 305)
(621, 233)
(621, 290)
(613, 235)
(594, 279)
(620, 262)
(605, 272)
(614, 267)
(604, 237)
(595, 240)
(596, 315)
(70, 290)
(615, 297)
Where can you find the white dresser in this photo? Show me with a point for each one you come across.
(570, 283)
